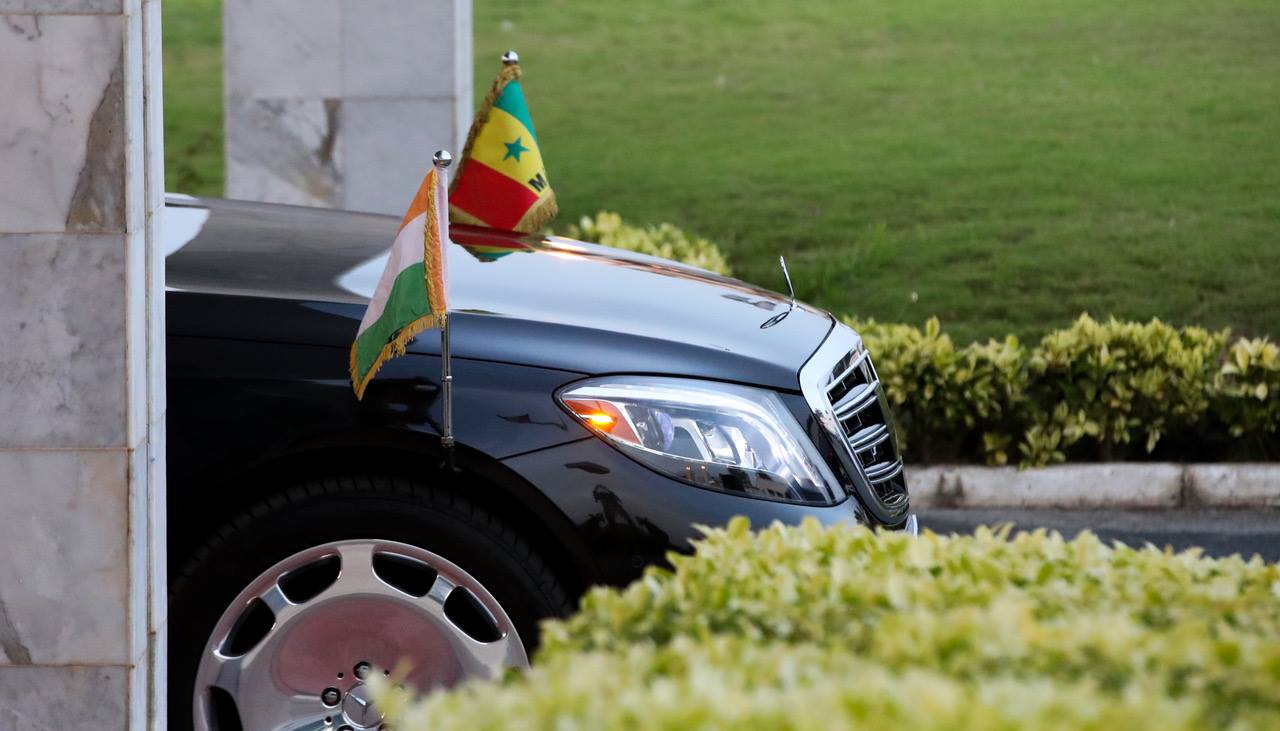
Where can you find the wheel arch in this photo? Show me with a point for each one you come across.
(198, 510)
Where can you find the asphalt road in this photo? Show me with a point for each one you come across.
(1219, 532)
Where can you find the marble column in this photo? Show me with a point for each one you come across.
(340, 103)
(82, 583)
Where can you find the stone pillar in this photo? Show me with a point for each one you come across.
(340, 103)
(82, 582)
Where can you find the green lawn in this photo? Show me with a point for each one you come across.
(1003, 164)
(192, 31)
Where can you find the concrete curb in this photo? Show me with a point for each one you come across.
(1104, 485)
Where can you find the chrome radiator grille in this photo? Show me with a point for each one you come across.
(857, 400)
(842, 387)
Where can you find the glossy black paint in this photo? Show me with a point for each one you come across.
(630, 517)
(546, 302)
(261, 312)
(249, 417)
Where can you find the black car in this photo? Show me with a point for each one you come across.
(605, 403)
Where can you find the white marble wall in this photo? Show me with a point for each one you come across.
(340, 103)
(82, 586)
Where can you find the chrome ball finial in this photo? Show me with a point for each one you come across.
(442, 158)
(510, 57)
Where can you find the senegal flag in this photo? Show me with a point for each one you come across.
(501, 182)
(410, 296)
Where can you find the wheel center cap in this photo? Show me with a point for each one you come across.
(358, 708)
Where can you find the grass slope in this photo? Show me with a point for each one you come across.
(1003, 164)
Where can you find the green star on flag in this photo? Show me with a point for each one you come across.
(514, 149)
(501, 181)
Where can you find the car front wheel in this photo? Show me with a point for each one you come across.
(280, 620)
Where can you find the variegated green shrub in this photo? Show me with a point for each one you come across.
(1246, 394)
(663, 240)
(1095, 391)
(731, 684)
(1118, 382)
(948, 400)
(810, 627)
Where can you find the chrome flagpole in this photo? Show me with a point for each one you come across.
(441, 160)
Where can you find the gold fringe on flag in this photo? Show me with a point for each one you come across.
(542, 212)
(537, 217)
(394, 348)
(433, 254)
(433, 274)
(509, 73)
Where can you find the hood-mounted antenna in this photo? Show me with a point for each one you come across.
(791, 292)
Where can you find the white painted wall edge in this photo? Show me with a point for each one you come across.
(1102, 485)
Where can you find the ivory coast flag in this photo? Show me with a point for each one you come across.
(411, 295)
(501, 182)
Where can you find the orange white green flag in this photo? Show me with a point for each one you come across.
(411, 295)
(501, 181)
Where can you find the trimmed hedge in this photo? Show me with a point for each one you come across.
(730, 684)
(664, 240)
(1094, 391)
(809, 627)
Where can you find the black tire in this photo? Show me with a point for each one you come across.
(344, 508)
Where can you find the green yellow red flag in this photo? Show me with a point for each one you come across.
(501, 181)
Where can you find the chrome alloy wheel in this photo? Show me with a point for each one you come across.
(294, 650)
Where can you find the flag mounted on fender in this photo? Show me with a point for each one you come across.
(501, 181)
(411, 295)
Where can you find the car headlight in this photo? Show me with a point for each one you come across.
(714, 435)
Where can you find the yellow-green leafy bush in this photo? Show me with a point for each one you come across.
(812, 627)
(663, 240)
(947, 400)
(1118, 381)
(1246, 393)
(731, 684)
(1095, 390)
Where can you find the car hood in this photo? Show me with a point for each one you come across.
(534, 300)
